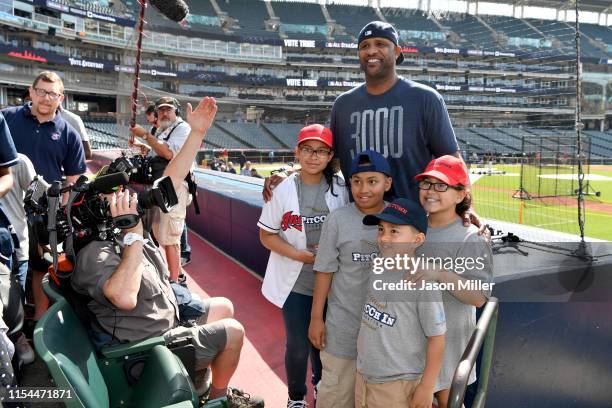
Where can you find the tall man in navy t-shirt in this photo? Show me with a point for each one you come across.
(53, 146)
(405, 121)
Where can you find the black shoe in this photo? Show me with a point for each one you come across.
(182, 279)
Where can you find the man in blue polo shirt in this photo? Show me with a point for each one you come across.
(52, 145)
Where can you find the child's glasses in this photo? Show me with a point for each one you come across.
(439, 187)
(307, 150)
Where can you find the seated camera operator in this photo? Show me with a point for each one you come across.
(171, 134)
(132, 298)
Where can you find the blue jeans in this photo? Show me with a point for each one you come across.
(296, 314)
(185, 247)
(20, 273)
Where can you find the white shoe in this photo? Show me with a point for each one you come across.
(297, 403)
(24, 351)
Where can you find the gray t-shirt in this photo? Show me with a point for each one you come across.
(346, 249)
(156, 309)
(456, 241)
(408, 124)
(12, 203)
(76, 122)
(314, 211)
(392, 343)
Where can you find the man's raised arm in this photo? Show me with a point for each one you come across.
(200, 119)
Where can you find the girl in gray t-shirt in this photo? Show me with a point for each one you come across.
(445, 196)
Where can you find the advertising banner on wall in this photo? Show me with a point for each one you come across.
(79, 12)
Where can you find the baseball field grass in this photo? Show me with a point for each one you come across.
(495, 195)
(494, 190)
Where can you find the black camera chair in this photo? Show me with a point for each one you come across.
(137, 374)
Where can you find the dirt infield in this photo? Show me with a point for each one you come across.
(600, 167)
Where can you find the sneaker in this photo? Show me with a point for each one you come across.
(185, 260)
(24, 351)
(237, 398)
(182, 279)
(296, 403)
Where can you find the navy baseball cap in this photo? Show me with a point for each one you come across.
(380, 29)
(369, 160)
(401, 211)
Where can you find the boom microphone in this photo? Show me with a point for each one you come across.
(175, 10)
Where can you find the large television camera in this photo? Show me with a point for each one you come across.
(86, 216)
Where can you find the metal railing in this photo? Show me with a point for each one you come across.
(483, 333)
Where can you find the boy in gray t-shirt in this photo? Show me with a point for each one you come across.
(400, 348)
(343, 261)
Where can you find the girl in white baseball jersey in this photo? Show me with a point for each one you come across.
(290, 226)
(444, 195)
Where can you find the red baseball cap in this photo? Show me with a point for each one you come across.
(316, 132)
(448, 169)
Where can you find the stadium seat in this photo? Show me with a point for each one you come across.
(251, 16)
(353, 18)
(285, 132)
(63, 343)
(470, 30)
(415, 21)
(304, 20)
(251, 134)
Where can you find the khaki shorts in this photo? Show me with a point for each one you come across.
(208, 340)
(392, 394)
(168, 227)
(337, 386)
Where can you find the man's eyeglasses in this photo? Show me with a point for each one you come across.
(42, 93)
(439, 187)
(307, 150)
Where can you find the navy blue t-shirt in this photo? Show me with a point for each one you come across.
(408, 124)
(8, 154)
(51, 146)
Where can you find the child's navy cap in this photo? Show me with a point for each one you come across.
(380, 29)
(370, 161)
(401, 212)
